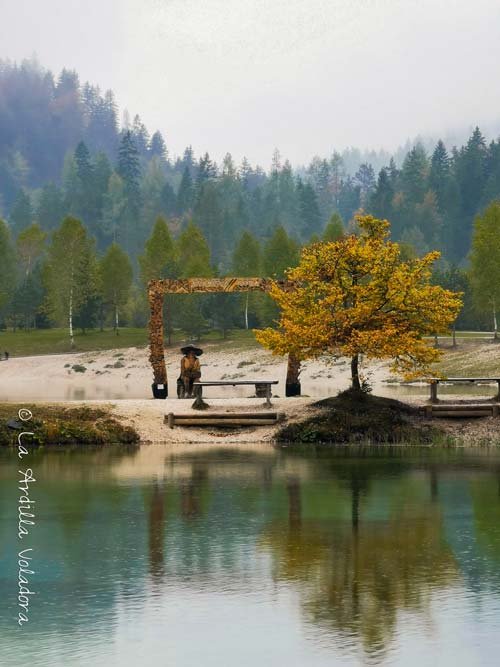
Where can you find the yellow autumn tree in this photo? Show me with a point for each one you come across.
(356, 296)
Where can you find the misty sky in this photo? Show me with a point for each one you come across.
(246, 76)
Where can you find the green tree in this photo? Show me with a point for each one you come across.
(8, 265)
(70, 272)
(159, 257)
(185, 195)
(30, 247)
(50, 208)
(309, 213)
(280, 253)
(115, 271)
(21, 214)
(247, 263)
(485, 262)
(194, 261)
(334, 229)
(114, 209)
(129, 170)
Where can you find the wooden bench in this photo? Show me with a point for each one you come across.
(434, 382)
(460, 410)
(262, 388)
(223, 419)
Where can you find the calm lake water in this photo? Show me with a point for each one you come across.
(197, 557)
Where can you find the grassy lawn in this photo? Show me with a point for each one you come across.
(56, 341)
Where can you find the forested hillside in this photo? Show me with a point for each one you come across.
(63, 152)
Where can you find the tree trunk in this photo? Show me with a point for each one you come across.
(495, 323)
(292, 385)
(71, 338)
(454, 336)
(356, 384)
(116, 319)
(246, 312)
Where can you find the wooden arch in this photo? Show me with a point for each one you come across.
(157, 289)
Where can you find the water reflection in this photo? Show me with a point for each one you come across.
(336, 552)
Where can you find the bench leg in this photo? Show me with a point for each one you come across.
(199, 403)
(268, 403)
(434, 391)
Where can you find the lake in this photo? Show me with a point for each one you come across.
(198, 557)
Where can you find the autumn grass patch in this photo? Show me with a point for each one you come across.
(59, 425)
(356, 417)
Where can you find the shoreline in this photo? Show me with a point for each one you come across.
(145, 418)
(118, 381)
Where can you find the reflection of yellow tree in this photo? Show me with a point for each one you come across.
(356, 575)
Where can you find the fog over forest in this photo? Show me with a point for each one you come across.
(114, 134)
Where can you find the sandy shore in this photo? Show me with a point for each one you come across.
(122, 380)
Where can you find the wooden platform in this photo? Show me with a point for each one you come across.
(461, 410)
(223, 419)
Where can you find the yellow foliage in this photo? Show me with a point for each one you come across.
(357, 296)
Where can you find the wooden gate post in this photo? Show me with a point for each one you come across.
(156, 353)
(292, 387)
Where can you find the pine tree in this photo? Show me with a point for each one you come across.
(208, 215)
(114, 209)
(185, 195)
(440, 174)
(21, 215)
(129, 171)
(365, 178)
(8, 266)
(194, 261)
(50, 208)
(414, 174)
(381, 200)
(280, 253)
(159, 257)
(309, 213)
(158, 148)
(334, 229)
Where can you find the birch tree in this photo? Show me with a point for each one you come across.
(485, 263)
(116, 280)
(70, 272)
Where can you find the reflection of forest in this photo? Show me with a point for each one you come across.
(354, 574)
(360, 539)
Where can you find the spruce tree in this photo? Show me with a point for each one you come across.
(309, 213)
(334, 229)
(185, 195)
(50, 208)
(21, 214)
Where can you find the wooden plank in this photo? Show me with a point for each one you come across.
(228, 383)
(222, 419)
(461, 406)
(194, 421)
(463, 413)
(226, 415)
